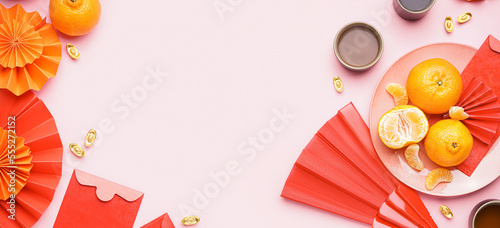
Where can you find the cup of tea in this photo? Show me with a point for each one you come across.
(485, 214)
(412, 9)
(358, 46)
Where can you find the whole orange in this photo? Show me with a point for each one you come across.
(75, 17)
(448, 142)
(434, 86)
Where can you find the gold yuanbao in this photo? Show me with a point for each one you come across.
(90, 138)
(77, 150)
(339, 86)
(448, 24)
(446, 211)
(190, 220)
(464, 17)
(72, 51)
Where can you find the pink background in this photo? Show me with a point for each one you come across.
(227, 73)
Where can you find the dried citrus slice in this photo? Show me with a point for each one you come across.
(437, 176)
(402, 126)
(411, 155)
(458, 113)
(398, 92)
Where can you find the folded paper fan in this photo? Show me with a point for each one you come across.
(35, 124)
(30, 50)
(481, 104)
(339, 172)
(15, 163)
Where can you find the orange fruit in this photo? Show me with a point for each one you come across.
(448, 142)
(402, 126)
(434, 85)
(437, 176)
(75, 17)
(458, 113)
(398, 92)
(411, 155)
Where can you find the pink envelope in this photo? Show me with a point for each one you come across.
(91, 201)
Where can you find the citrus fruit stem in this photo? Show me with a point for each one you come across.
(439, 82)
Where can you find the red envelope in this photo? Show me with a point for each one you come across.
(91, 201)
(160, 222)
(485, 67)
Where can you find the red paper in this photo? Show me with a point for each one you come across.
(485, 67)
(479, 99)
(91, 201)
(161, 222)
(340, 172)
(37, 126)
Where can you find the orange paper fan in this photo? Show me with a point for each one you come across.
(36, 125)
(339, 172)
(30, 50)
(15, 163)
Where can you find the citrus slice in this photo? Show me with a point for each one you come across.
(402, 126)
(398, 92)
(411, 155)
(437, 176)
(458, 113)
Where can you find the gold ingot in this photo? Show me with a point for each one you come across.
(90, 138)
(446, 211)
(72, 51)
(190, 220)
(338, 84)
(448, 24)
(77, 150)
(464, 17)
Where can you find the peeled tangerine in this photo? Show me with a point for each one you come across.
(458, 113)
(402, 126)
(437, 176)
(398, 92)
(411, 155)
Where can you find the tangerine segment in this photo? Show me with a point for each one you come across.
(411, 155)
(398, 92)
(458, 113)
(402, 126)
(437, 176)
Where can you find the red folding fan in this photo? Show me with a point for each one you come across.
(35, 124)
(339, 172)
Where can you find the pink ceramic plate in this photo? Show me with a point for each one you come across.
(487, 171)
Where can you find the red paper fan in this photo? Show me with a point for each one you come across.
(339, 172)
(30, 50)
(33, 122)
(15, 163)
(481, 103)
